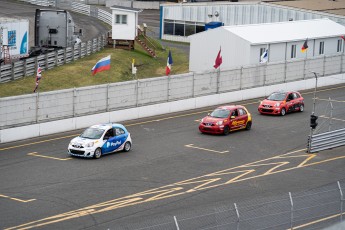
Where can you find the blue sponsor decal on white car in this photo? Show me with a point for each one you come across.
(98, 140)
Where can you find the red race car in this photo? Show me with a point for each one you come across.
(225, 119)
(282, 102)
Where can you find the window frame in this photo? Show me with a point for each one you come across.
(121, 19)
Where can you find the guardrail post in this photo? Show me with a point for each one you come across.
(46, 61)
(176, 224)
(341, 202)
(64, 55)
(79, 49)
(56, 58)
(12, 71)
(24, 68)
(238, 217)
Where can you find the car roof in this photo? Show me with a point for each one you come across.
(108, 126)
(230, 107)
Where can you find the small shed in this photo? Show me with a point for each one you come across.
(243, 45)
(124, 23)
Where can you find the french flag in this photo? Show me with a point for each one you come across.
(101, 65)
(169, 63)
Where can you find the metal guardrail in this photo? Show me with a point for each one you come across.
(327, 140)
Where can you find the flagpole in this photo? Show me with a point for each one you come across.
(218, 79)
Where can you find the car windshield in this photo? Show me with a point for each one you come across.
(92, 133)
(276, 97)
(220, 113)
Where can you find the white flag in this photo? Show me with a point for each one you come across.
(264, 57)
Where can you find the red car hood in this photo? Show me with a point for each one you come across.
(209, 119)
(271, 103)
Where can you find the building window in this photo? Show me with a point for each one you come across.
(321, 48)
(120, 19)
(262, 50)
(189, 29)
(169, 28)
(179, 29)
(339, 46)
(293, 51)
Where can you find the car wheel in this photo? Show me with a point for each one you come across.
(301, 108)
(98, 153)
(226, 130)
(127, 146)
(283, 112)
(249, 125)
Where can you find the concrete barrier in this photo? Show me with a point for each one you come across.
(29, 131)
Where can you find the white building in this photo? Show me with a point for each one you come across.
(243, 45)
(124, 23)
(178, 21)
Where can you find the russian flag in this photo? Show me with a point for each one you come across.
(101, 65)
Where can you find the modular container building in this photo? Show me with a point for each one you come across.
(14, 36)
(244, 45)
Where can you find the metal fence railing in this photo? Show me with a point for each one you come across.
(23, 68)
(327, 140)
(26, 67)
(313, 209)
(68, 103)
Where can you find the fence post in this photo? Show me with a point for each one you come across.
(74, 100)
(56, 58)
(168, 88)
(291, 215)
(64, 56)
(79, 49)
(238, 217)
(304, 68)
(137, 90)
(176, 224)
(341, 202)
(107, 105)
(241, 75)
(37, 98)
(324, 65)
(285, 71)
(193, 85)
(218, 79)
(46, 67)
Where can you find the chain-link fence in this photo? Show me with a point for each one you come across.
(313, 209)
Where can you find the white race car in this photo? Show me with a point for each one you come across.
(98, 140)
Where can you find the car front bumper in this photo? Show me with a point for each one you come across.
(273, 111)
(211, 129)
(81, 152)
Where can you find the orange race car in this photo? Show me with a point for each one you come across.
(282, 102)
(225, 119)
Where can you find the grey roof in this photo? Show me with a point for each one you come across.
(287, 31)
(126, 8)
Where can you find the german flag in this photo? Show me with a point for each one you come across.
(305, 46)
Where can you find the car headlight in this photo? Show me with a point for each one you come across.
(71, 143)
(277, 104)
(202, 120)
(219, 122)
(261, 102)
(89, 144)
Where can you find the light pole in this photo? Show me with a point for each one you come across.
(312, 117)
